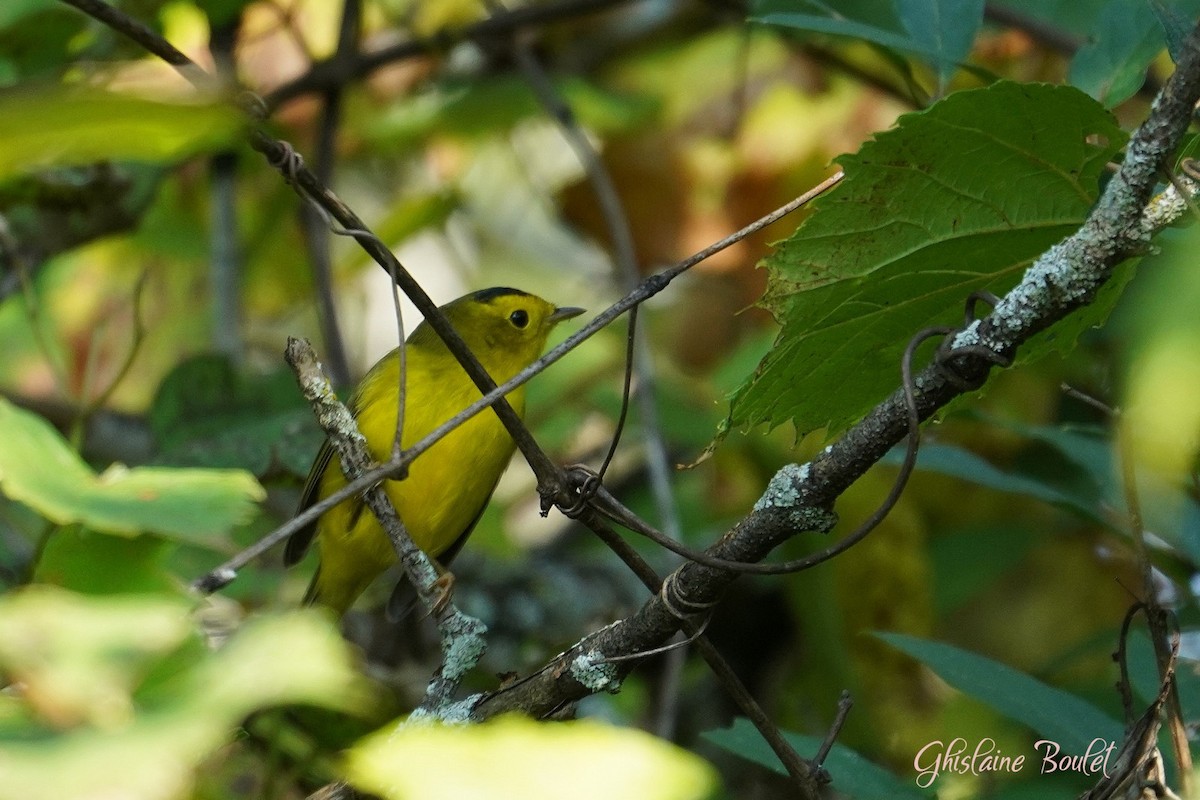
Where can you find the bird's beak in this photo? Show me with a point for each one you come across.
(564, 312)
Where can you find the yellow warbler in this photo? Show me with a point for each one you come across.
(448, 485)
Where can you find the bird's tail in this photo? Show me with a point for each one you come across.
(335, 595)
(312, 596)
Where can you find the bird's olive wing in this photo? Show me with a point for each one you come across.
(299, 541)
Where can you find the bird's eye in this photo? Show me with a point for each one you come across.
(520, 318)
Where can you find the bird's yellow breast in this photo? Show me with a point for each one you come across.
(446, 487)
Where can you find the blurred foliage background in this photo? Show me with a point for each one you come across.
(152, 265)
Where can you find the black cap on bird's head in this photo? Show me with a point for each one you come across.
(488, 295)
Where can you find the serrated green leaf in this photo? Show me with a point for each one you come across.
(60, 126)
(1062, 717)
(853, 776)
(947, 27)
(958, 198)
(1112, 66)
(38, 468)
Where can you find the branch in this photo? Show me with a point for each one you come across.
(800, 497)
(343, 68)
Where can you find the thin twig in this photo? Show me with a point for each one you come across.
(1155, 614)
(225, 258)
(1137, 770)
(147, 38)
(1088, 400)
(89, 407)
(845, 703)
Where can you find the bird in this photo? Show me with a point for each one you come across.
(446, 487)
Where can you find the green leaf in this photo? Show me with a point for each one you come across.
(206, 414)
(80, 658)
(13, 10)
(82, 728)
(38, 468)
(1176, 26)
(853, 776)
(479, 108)
(959, 463)
(1071, 16)
(946, 27)
(1087, 448)
(1112, 66)
(517, 757)
(852, 29)
(880, 13)
(958, 198)
(966, 563)
(1143, 672)
(57, 126)
(36, 38)
(1062, 717)
(93, 563)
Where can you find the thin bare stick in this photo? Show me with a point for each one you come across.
(222, 575)
(225, 261)
(91, 406)
(845, 703)
(147, 38)
(1155, 614)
